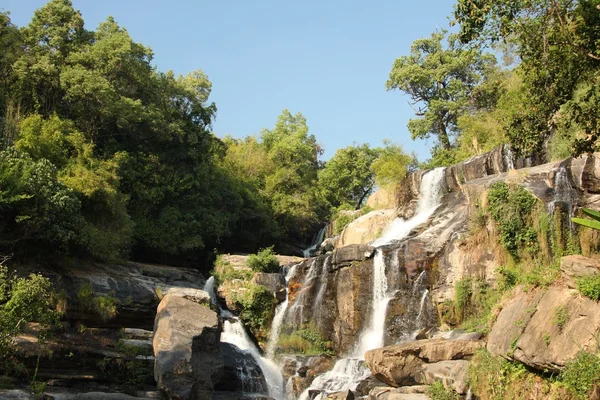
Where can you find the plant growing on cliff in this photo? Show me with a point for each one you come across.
(581, 374)
(257, 307)
(264, 261)
(437, 391)
(511, 208)
(306, 341)
(561, 317)
(589, 286)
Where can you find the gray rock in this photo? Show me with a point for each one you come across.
(452, 374)
(188, 360)
(196, 295)
(354, 252)
(574, 267)
(274, 283)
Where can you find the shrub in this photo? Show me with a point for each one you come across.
(264, 261)
(306, 341)
(258, 307)
(511, 208)
(103, 305)
(581, 374)
(589, 286)
(437, 391)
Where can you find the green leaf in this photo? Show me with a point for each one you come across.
(587, 222)
(592, 213)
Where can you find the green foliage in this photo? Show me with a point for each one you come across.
(348, 178)
(223, 271)
(391, 164)
(437, 391)
(305, 341)
(511, 208)
(561, 317)
(593, 223)
(258, 307)
(589, 286)
(581, 374)
(103, 305)
(264, 261)
(23, 300)
(440, 76)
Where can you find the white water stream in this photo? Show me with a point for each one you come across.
(348, 372)
(316, 242)
(235, 333)
(279, 315)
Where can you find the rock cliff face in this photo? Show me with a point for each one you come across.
(423, 269)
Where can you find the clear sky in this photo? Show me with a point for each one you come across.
(327, 59)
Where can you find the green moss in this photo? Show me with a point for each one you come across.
(257, 307)
(306, 341)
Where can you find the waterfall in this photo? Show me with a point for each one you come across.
(234, 333)
(421, 307)
(349, 372)
(317, 305)
(429, 200)
(296, 311)
(372, 338)
(279, 315)
(563, 191)
(508, 157)
(317, 240)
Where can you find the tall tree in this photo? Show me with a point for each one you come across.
(347, 178)
(439, 75)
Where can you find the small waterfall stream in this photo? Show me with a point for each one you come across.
(279, 315)
(349, 372)
(316, 242)
(234, 333)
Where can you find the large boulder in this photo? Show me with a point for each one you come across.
(546, 328)
(402, 364)
(382, 198)
(344, 256)
(273, 282)
(188, 361)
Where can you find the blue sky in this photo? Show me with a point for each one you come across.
(328, 60)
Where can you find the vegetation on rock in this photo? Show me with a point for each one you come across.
(264, 261)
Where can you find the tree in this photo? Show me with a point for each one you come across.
(391, 165)
(559, 46)
(347, 178)
(439, 75)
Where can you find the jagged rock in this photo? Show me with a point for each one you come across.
(529, 328)
(366, 228)
(239, 363)
(187, 354)
(573, 267)
(452, 374)
(458, 334)
(402, 364)
(140, 334)
(401, 393)
(355, 252)
(274, 283)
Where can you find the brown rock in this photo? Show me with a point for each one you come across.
(402, 364)
(274, 283)
(452, 374)
(354, 252)
(382, 198)
(401, 393)
(345, 395)
(576, 266)
(366, 228)
(186, 348)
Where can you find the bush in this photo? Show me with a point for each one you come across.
(437, 391)
(264, 261)
(561, 317)
(581, 374)
(103, 305)
(511, 208)
(258, 307)
(589, 286)
(306, 341)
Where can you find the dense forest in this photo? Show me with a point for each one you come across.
(105, 157)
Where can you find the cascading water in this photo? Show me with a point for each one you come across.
(563, 191)
(279, 315)
(429, 200)
(318, 300)
(349, 372)
(317, 240)
(508, 157)
(296, 311)
(234, 333)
